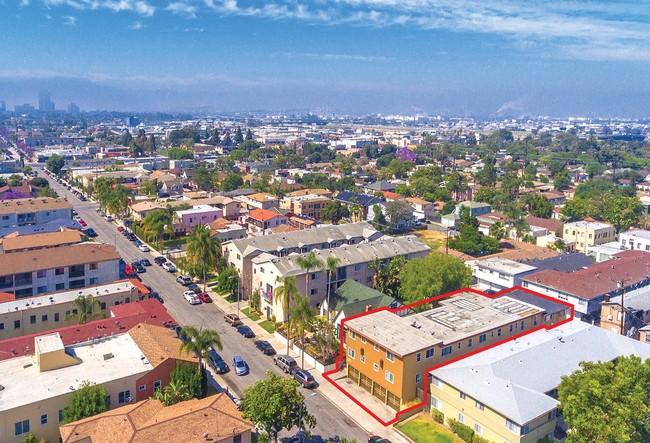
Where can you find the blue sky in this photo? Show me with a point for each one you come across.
(461, 57)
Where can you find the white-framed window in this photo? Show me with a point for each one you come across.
(435, 403)
(435, 381)
(446, 351)
(43, 419)
(353, 335)
(389, 377)
(482, 338)
(479, 405)
(363, 339)
(21, 427)
(461, 418)
(375, 366)
(514, 427)
(462, 395)
(390, 356)
(418, 378)
(142, 387)
(377, 348)
(470, 342)
(351, 353)
(430, 353)
(124, 396)
(157, 385)
(362, 358)
(418, 357)
(478, 429)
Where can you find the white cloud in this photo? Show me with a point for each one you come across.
(137, 25)
(69, 20)
(23, 3)
(336, 57)
(141, 7)
(182, 8)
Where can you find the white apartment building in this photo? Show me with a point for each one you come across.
(636, 239)
(29, 273)
(497, 273)
(33, 211)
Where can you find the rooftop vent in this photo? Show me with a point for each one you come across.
(108, 356)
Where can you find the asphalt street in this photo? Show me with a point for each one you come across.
(331, 422)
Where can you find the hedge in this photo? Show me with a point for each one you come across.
(438, 416)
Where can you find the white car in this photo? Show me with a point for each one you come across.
(76, 218)
(191, 297)
(108, 218)
(169, 266)
(143, 248)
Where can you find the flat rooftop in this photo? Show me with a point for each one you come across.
(462, 315)
(504, 266)
(54, 298)
(24, 384)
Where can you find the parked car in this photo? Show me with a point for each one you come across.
(76, 217)
(137, 266)
(184, 280)
(194, 287)
(82, 223)
(232, 319)
(154, 294)
(128, 270)
(120, 229)
(305, 379)
(265, 347)
(136, 241)
(286, 363)
(145, 262)
(245, 331)
(378, 439)
(204, 297)
(241, 368)
(108, 218)
(191, 297)
(159, 260)
(216, 362)
(90, 232)
(143, 248)
(169, 266)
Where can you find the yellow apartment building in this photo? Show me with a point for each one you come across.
(389, 355)
(508, 394)
(588, 233)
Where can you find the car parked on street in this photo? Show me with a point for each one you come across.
(286, 363)
(108, 218)
(191, 297)
(169, 266)
(143, 248)
(241, 368)
(184, 280)
(246, 331)
(305, 379)
(232, 319)
(145, 262)
(90, 232)
(82, 223)
(159, 260)
(194, 287)
(137, 266)
(216, 362)
(265, 347)
(204, 297)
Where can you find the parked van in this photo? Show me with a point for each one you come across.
(286, 363)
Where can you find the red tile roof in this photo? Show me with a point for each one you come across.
(263, 214)
(631, 267)
(550, 224)
(126, 316)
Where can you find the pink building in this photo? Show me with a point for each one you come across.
(198, 215)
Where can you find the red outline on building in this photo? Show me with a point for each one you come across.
(326, 375)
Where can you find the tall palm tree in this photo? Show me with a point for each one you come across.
(285, 293)
(376, 265)
(309, 262)
(85, 306)
(331, 264)
(303, 316)
(199, 341)
(156, 223)
(202, 250)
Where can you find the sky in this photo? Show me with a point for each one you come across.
(437, 57)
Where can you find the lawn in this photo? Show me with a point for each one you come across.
(433, 239)
(422, 429)
(252, 315)
(267, 326)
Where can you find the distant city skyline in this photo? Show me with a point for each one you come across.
(436, 57)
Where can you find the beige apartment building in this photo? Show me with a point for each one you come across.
(353, 265)
(33, 211)
(19, 243)
(309, 205)
(588, 233)
(389, 354)
(46, 312)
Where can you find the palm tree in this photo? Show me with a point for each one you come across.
(330, 264)
(199, 341)
(376, 265)
(85, 307)
(285, 293)
(309, 262)
(172, 394)
(303, 316)
(156, 223)
(202, 250)
(497, 230)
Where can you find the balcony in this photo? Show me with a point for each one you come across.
(23, 282)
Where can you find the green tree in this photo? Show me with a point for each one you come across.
(180, 154)
(308, 263)
(607, 403)
(172, 393)
(488, 175)
(85, 306)
(31, 438)
(158, 222)
(184, 384)
(436, 274)
(274, 404)
(379, 219)
(228, 280)
(303, 315)
(199, 341)
(538, 206)
(470, 241)
(456, 183)
(249, 135)
(498, 231)
(148, 187)
(331, 265)
(202, 178)
(55, 163)
(398, 211)
(285, 293)
(232, 182)
(203, 251)
(334, 211)
(47, 192)
(88, 400)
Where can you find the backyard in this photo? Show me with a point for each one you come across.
(423, 429)
(433, 239)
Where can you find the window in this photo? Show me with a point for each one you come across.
(357, 267)
(499, 332)
(102, 305)
(351, 353)
(491, 334)
(482, 338)
(446, 350)
(93, 281)
(469, 342)
(461, 418)
(124, 396)
(92, 266)
(362, 358)
(41, 274)
(363, 339)
(511, 327)
(236, 438)
(2, 328)
(435, 381)
(460, 345)
(478, 429)
(41, 289)
(21, 427)
(314, 291)
(551, 415)
(60, 415)
(522, 325)
(390, 356)
(59, 271)
(514, 427)
(479, 405)
(376, 347)
(108, 401)
(534, 320)
(44, 317)
(43, 419)
(353, 335)
(32, 319)
(157, 385)
(375, 366)
(418, 357)
(430, 353)
(418, 378)
(313, 276)
(390, 377)
(16, 324)
(142, 387)
(56, 316)
(59, 286)
(261, 270)
(462, 395)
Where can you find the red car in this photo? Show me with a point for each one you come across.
(204, 297)
(82, 223)
(128, 270)
(120, 228)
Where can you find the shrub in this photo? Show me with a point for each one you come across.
(438, 416)
(478, 439)
(463, 431)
